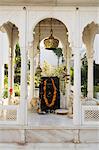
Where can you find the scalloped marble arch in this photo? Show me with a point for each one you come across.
(8, 27)
(88, 36)
(53, 22)
(39, 19)
(57, 21)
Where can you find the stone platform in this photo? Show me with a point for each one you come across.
(49, 128)
(49, 146)
(47, 135)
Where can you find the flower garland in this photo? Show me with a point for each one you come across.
(54, 94)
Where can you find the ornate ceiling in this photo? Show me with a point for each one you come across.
(51, 2)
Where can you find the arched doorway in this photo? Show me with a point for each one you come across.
(89, 108)
(10, 60)
(89, 35)
(41, 67)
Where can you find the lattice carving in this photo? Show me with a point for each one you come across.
(91, 115)
(11, 115)
(8, 115)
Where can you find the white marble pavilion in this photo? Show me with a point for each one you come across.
(75, 23)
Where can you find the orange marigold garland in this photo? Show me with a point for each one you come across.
(54, 94)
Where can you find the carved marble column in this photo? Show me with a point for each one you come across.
(23, 40)
(24, 90)
(77, 88)
(77, 70)
(31, 95)
(90, 77)
(68, 77)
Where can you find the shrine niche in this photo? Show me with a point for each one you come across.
(49, 94)
(51, 54)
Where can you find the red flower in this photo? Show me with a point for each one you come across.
(11, 91)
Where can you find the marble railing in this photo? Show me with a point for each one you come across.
(90, 114)
(9, 114)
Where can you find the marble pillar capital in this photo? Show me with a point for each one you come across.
(90, 55)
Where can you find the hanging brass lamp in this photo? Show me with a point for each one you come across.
(51, 43)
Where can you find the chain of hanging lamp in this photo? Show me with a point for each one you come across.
(39, 45)
(67, 75)
(51, 31)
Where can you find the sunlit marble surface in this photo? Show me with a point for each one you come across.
(49, 128)
(49, 120)
(49, 136)
(43, 146)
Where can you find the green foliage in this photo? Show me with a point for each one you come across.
(17, 75)
(46, 69)
(38, 75)
(96, 74)
(17, 64)
(58, 53)
(58, 71)
(6, 69)
(84, 89)
(84, 71)
(37, 81)
(84, 74)
(17, 89)
(5, 93)
(96, 89)
(5, 80)
(72, 75)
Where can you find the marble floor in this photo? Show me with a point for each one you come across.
(49, 120)
(43, 146)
